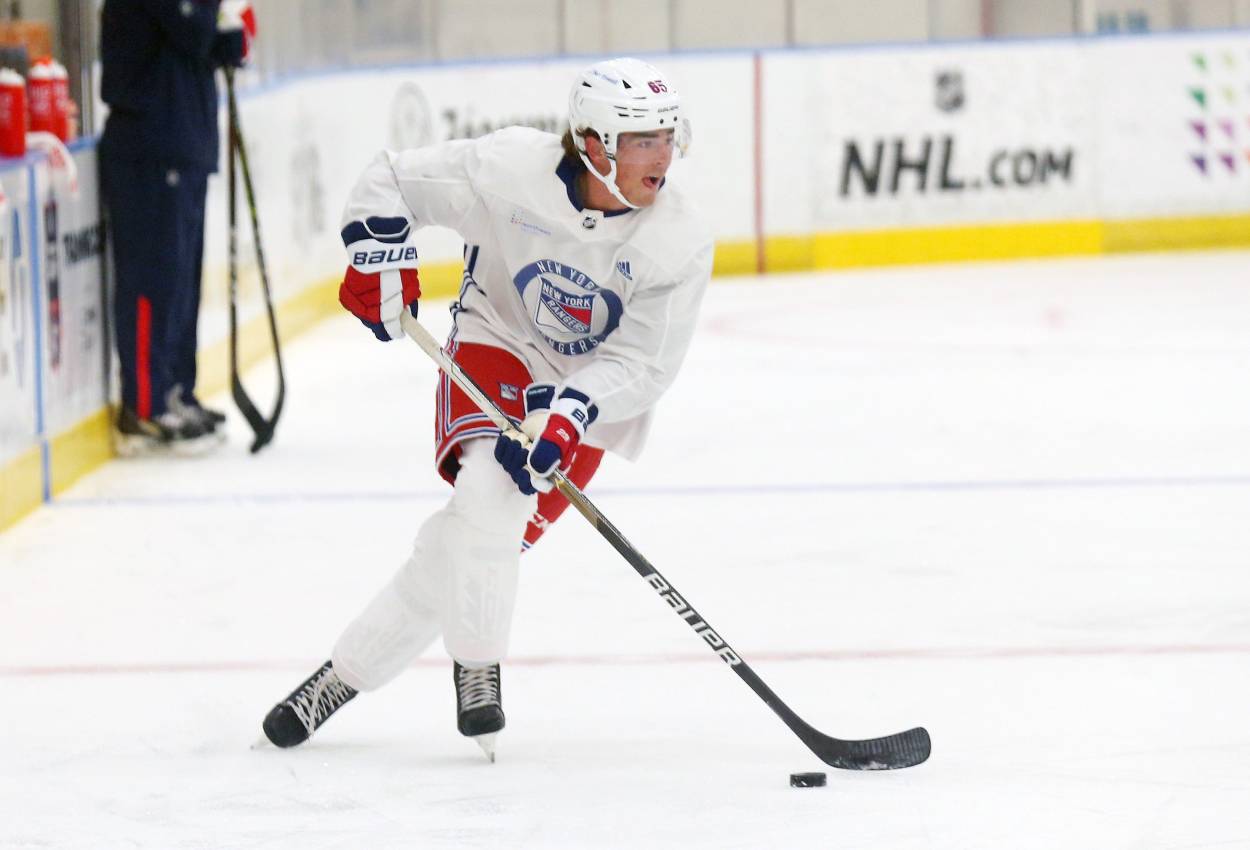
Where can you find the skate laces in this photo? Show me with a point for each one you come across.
(320, 698)
(478, 687)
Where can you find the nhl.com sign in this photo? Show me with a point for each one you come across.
(890, 166)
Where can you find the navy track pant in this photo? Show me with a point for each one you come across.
(156, 218)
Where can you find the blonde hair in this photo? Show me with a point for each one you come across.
(570, 148)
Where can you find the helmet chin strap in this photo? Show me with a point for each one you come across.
(608, 180)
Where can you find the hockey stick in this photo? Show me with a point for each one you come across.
(904, 749)
(262, 428)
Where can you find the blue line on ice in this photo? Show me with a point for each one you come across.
(1024, 484)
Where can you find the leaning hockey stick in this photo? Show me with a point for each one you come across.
(263, 428)
(904, 749)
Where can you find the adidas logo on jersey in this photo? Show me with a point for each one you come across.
(623, 267)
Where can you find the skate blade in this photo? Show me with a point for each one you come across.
(487, 743)
(137, 446)
(198, 446)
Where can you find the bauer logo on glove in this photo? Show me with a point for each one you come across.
(382, 279)
(383, 255)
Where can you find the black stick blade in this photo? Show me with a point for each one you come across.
(261, 440)
(905, 749)
(261, 427)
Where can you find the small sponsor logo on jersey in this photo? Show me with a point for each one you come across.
(571, 312)
(508, 392)
(518, 218)
(623, 267)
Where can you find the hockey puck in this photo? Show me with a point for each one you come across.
(807, 780)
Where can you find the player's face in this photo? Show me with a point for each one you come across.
(642, 160)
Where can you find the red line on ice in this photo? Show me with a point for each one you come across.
(924, 654)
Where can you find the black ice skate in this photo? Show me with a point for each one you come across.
(293, 720)
(188, 408)
(479, 705)
(171, 432)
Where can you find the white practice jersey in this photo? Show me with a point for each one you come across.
(604, 303)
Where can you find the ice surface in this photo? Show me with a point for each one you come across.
(1010, 502)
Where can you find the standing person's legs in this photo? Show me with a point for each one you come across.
(143, 227)
(184, 325)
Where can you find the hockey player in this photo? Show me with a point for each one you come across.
(584, 271)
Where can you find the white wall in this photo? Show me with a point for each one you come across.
(497, 28)
(851, 21)
(1031, 17)
(727, 23)
(955, 19)
(609, 27)
(1205, 14)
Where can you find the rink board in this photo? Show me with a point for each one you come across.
(53, 348)
(826, 158)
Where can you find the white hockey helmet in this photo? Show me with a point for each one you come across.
(623, 96)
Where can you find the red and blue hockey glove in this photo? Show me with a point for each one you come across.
(234, 16)
(512, 448)
(381, 280)
(563, 431)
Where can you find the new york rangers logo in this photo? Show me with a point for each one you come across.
(571, 312)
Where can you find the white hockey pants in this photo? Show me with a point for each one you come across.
(460, 580)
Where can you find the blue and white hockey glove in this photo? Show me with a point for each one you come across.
(381, 280)
(512, 448)
(567, 420)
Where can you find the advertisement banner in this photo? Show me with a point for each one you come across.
(70, 239)
(919, 137)
(1173, 123)
(18, 379)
